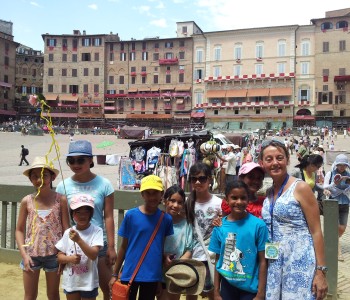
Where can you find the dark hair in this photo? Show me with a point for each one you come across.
(313, 159)
(71, 211)
(51, 173)
(273, 143)
(236, 184)
(175, 189)
(190, 203)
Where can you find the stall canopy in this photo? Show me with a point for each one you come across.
(258, 92)
(133, 132)
(216, 94)
(281, 92)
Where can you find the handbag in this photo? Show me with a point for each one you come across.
(121, 291)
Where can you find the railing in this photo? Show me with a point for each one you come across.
(11, 195)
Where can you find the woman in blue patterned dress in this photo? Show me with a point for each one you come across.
(296, 262)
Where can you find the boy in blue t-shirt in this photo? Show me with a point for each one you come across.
(239, 244)
(136, 230)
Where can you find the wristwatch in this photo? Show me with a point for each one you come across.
(323, 269)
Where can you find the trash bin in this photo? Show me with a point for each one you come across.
(101, 159)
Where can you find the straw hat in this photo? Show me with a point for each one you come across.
(185, 276)
(41, 162)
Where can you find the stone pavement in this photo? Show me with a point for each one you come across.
(11, 173)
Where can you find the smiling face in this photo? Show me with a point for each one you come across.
(152, 199)
(237, 200)
(254, 179)
(174, 204)
(79, 164)
(82, 216)
(200, 182)
(274, 160)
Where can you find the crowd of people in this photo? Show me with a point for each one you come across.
(244, 246)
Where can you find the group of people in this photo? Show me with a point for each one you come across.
(244, 246)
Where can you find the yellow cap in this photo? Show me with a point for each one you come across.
(151, 182)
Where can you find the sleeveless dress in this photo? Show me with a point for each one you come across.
(290, 276)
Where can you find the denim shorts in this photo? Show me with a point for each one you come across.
(85, 294)
(103, 250)
(343, 214)
(47, 263)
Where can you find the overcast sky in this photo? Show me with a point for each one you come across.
(149, 18)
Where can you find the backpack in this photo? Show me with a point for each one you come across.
(25, 151)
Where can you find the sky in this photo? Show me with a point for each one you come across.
(150, 18)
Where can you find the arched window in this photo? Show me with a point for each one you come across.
(342, 24)
(326, 25)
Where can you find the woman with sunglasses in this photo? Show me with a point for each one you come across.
(202, 208)
(295, 253)
(80, 161)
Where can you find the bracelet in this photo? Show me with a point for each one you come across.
(115, 275)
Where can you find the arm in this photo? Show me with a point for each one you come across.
(308, 203)
(217, 281)
(119, 261)
(187, 254)
(90, 252)
(62, 258)
(64, 213)
(262, 277)
(326, 183)
(109, 223)
(20, 232)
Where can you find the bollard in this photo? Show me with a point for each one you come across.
(330, 225)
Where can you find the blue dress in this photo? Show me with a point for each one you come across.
(291, 275)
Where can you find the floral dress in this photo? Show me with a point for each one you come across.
(291, 275)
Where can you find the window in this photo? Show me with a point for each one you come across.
(155, 78)
(33, 74)
(217, 71)
(122, 56)
(280, 110)
(144, 45)
(132, 69)
(74, 73)
(85, 57)
(237, 51)
(85, 88)
(182, 43)
(97, 41)
(259, 50)
(74, 89)
(281, 48)
(325, 72)
(281, 67)
(198, 74)
(133, 80)
(168, 45)
(144, 55)
(50, 88)
(64, 72)
(86, 42)
(156, 45)
(181, 77)
(64, 43)
(167, 78)
(64, 88)
(199, 97)
(50, 57)
(305, 66)
(121, 46)
(342, 71)
(217, 53)
(143, 79)
(257, 112)
(155, 56)
(96, 72)
(132, 55)
(74, 57)
(182, 55)
(111, 47)
(64, 57)
(305, 48)
(199, 55)
(325, 46)
(168, 55)
(184, 29)
(96, 88)
(111, 79)
(50, 71)
(111, 56)
(51, 42)
(143, 103)
(326, 25)
(325, 88)
(133, 45)
(342, 45)
(237, 70)
(304, 94)
(259, 69)
(342, 24)
(97, 56)
(75, 44)
(121, 79)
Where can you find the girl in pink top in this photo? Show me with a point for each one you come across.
(42, 219)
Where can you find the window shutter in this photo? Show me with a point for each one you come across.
(319, 97)
(330, 97)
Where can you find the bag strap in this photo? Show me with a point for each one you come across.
(200, 239)
(146, 249)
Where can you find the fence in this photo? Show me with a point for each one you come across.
(11, 195)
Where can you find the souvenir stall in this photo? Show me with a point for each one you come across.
(170, 157)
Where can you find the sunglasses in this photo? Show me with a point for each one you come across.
(273, 142)
(79, 160)
(201, 179)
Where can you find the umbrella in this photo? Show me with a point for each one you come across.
(104, 144)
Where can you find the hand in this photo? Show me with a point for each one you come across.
(319, 285)
(337, 179)
(27, 262)
(74, 236)
(327, 193)
(168, 258)
(112, 281)
(217, 222)
(60, 269)
(75, 259)
(111, 256)
(259, 297)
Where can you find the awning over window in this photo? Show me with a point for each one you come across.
(68, 97)
(61, 115)
(216, 94)
(180, 101)
(236, 93)
(197, 114)
(167, 88)
(281, 92)
(134, 90)
(183, 88)
(148, 116)
(144, 89)
(5, 84)
(258, 92)
(303, 117)
(155, 89)
(51, 97)
(342, 78)
(115, 116)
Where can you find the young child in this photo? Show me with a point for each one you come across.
(42, 219)
(201, 209)
(180, 244)
(239, 245)
(78, 251)
(136, 230)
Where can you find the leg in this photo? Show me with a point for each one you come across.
(73, 296)
(52, 285)
(148, 290)
(191, 297)
(26, 161)
(165, 295)
(104, 274)
(30, 283)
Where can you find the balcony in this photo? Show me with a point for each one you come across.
(169, 61)
(133, 74)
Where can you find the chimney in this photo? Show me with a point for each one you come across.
(84, 32)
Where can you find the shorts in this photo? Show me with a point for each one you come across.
(47, 263)
(208, 284)
(84, 294)
(343, 214)
(103, 250)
